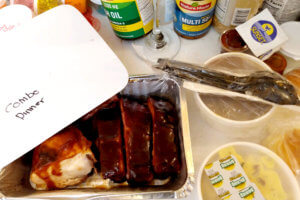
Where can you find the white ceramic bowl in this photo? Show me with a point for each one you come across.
(239, 129)
(236, 67)
(286, 176)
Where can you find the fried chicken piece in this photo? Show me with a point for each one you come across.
(63, 160)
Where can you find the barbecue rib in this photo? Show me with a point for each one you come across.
(137, 136)
(107, 104)
(63, 160)
(108, 123)
(165, 152)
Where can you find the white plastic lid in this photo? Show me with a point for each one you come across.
(98, 2)
(54, 70)
(13, 16)
(292, 47)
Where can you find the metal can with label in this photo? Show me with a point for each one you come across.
(129, 19)
(283, 10)
(193, 17)
(231, 13)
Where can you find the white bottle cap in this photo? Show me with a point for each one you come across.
(98, 2)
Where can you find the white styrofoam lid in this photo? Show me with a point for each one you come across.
(54, 70)
(13, 16)
(292, 47)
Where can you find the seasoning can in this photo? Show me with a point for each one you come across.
(129, 19)
(283, 10)
(231, 13)
(193, 18)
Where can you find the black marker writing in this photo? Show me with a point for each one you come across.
(21, 101)
(29, 110)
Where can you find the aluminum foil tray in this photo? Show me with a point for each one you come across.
(14, 179)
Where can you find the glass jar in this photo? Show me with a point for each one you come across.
(231, 13)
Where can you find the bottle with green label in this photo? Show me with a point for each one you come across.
(130, 19)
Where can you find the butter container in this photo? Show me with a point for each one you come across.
(231, 179)
(265, 170)
(71, 78)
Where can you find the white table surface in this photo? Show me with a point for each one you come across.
(197, 51)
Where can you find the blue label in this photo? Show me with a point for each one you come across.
(190, 24)
(263, 31)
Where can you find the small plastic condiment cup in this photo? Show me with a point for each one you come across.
(230, 41)
(251, 129)
(277, 62)
(286, 176)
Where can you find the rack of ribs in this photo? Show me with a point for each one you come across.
(63, 160)
(107, 122)
(165, 152)
(137, 136)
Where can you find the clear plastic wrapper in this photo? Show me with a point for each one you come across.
(284, 138)
(14, 179)
(238, 109)
(258, 85)
(240, 115)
